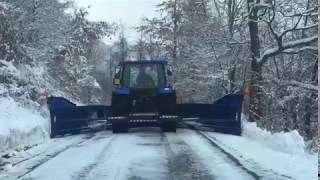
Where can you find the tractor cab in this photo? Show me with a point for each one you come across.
(141, 84)
(142, 74)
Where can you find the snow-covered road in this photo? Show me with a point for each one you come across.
(143, 153)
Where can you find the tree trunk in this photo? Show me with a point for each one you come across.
(231, 18)
(256, 97)
(175, 32)
(256, 70)
(309, 108)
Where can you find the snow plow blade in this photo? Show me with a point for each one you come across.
(224, 115)
(66, 117)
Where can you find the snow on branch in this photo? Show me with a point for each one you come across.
(300, 42)
(307, 27)
(262, 5)
(308, 12)
(299, 50)
(294, 83)
(286, 46)
(292, 47)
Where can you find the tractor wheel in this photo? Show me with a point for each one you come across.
(53, 131)
(169, 127)
(120, 128)
(52, 134)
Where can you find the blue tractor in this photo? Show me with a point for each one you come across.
(142, 96)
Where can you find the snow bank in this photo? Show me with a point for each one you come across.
(290, 142)
(20, 126)
(272, 155)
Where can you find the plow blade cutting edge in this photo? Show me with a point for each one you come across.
(224, 115)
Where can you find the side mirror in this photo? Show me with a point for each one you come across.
(169, 70)
(117, 72)
(116, 81)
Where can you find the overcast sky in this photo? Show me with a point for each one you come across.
(129, 12)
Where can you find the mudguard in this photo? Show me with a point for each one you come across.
(66, 117)
(224, 115)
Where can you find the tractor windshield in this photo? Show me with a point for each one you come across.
(144, 75)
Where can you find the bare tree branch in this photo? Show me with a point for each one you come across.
(289, 45)
(299, 50)
(307, 86)
(291, 29)
(308, 12)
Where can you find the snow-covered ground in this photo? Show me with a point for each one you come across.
(20, 126)
(145, 153)
(282, 154)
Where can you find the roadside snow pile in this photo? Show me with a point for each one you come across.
(20, 126)
(290, 142)
(272, 155)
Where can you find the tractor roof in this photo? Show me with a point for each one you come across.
(144, 62)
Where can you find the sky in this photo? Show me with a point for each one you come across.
(128, 12)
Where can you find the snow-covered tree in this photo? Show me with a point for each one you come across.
(40, 36)
(223, 46)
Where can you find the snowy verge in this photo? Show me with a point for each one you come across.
(20, 126)
(281, 154)
(289, 142)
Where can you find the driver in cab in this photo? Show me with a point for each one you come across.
(144, 80)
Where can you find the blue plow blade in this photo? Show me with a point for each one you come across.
(224, 115)
(66, 117)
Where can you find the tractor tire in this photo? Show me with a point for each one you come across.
(52, 134)
(169, 127)
(120, 128)
(53, 131)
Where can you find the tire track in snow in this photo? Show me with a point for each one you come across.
(52, 155)
(254, 170)
(85, 171)
(183, 164)
(33, 156)
(263, 174)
